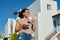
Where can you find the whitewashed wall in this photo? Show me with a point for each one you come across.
(44, 21)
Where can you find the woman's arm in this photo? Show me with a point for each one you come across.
(33, 25)
(18, 27)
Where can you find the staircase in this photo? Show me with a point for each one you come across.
(54, 36)
(50, 36)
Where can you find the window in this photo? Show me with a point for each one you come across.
(55, 24)
(48, 6)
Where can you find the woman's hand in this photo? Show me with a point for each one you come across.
(33, 20)
(24, 26)
(33, 25)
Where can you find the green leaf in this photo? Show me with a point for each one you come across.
(14, 36)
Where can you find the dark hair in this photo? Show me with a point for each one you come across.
(21, 12)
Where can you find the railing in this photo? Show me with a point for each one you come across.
(50, 36)
(56, 36)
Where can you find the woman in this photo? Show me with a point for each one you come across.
(24, 26)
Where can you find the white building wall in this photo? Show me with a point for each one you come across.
(10, 25)
(53, 10)
(34, 9)
(44, 17)
(7, 29)
(58, 11)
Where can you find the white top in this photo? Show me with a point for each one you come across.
(29, 30)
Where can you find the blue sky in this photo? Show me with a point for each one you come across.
(58, 4)
(7, 7)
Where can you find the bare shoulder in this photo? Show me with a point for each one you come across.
(18, 21)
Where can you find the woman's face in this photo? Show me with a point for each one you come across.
(26, 13)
